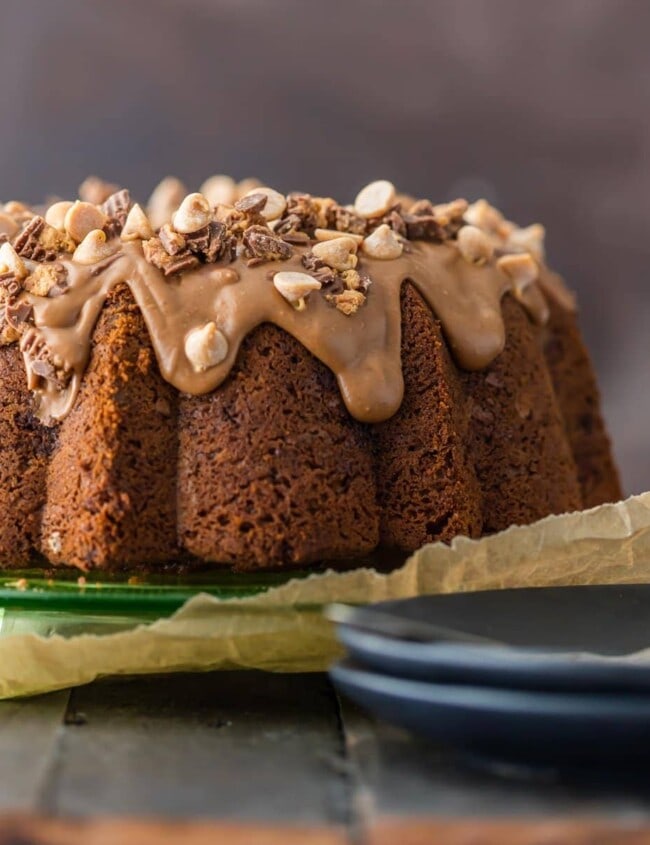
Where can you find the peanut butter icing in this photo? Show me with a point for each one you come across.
(356, 333)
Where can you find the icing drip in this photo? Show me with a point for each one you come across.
(363, 350)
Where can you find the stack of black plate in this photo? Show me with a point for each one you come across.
(550, 676)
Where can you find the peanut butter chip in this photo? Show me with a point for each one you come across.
(55, 215)
(474, 245)
(82, 218)
(192, 214)
(484, 216)
(339, 253)
(333, 234)
(383, 243)
(522, 270)
(219, 190)
(137, 225)
(94, 248)
(206, 347)
(10, 259)
(18, 210)
(166, 197)
(375, 199)
(275, 203)
(8, 225)
(529, 239)
(295, 287)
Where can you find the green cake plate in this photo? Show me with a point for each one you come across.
(31, 602)
(157, 595)
(63, 601)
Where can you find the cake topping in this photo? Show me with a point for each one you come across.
(383, 243)
(11, 261)
(530, 239)
(172, 240)
(212, 243)
(55, 214)
(136, 226)
(81, 218)
(94, 247)
(338, 253)
(198, 268)
(169, 262)
(474, 245)
(295, 287)
(42, 242)
(275, 204)
(260, 245)
(332, 234)
(206, 347)
(219, 190)
(347, 302)
(164, 200)
(96, 190)
(194, 213)
(523, 270)
(19, 211)
(8, 226)
(375, 199)
(116, 208)
(42, 364)
(47, 280)
(484, 216)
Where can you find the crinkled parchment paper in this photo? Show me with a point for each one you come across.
(283, 629)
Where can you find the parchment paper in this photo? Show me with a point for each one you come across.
(283, 629)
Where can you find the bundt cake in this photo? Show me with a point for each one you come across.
(237, 377)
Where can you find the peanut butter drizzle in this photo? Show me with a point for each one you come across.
(363, 350)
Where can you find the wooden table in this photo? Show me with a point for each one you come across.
(246, 757)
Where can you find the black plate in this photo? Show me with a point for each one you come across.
(523, 726)
(546, 638)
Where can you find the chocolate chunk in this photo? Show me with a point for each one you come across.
(27, 243)
(18, 313)
(212, 242)
(9, 286)
(423, 227)
(40, 242)
(173, 242)
(116, 208)
(252, 204)
(156, 254)
(297, 238)
(346, 220)
(396, 222)
(331, 280)
(261, 244)
(8, 333)
(42, 364)
(302, 214)
(422, 208)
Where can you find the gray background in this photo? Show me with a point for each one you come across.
(543, 107)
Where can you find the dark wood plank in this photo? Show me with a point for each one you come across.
(397, 776)
(529, 832)
(229, 745)
(30, 729)
(21, 830)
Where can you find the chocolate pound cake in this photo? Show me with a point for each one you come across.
(237, 377)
